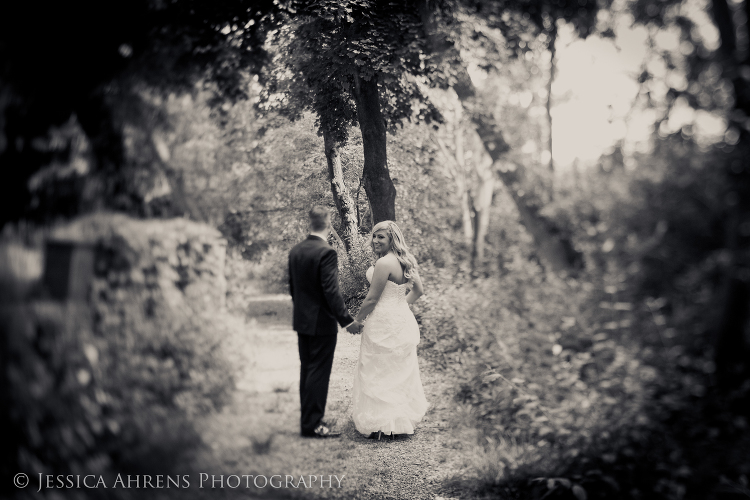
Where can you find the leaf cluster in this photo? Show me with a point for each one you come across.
(323, 47)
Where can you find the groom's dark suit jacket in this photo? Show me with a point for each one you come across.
(314, 285)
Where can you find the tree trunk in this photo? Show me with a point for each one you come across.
(731, 358)
(341, 197)
(732, 350)
(99, 124)
(553, 249)
(475, 209)
(456, 167)
(467, 221)
(482, 206)
(732, 347)
(723, 19)
(462, 184)
(553, 39)
(377, 180)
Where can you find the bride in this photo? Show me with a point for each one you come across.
(388, 397)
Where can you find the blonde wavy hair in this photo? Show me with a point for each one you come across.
(398, 247)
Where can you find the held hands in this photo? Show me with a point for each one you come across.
(354, 328)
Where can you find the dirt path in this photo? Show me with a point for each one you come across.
(258, 433)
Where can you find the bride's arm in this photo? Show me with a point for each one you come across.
(379, 279)
(416, 291)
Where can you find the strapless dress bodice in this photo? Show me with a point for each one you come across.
(392, 291)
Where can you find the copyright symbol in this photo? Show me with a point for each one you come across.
(21, 480)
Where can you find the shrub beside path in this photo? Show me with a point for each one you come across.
(257, 433)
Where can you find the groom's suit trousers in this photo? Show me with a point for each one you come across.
(316, 360)
(319, 309)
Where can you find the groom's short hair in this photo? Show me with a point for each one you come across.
(319, 218)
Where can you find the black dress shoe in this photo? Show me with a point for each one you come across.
(322, 431)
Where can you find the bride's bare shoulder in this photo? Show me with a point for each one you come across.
(387, 260)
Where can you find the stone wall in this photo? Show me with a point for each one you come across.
(112, 376)
(183, 259)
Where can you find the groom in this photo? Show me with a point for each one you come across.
(318, 310)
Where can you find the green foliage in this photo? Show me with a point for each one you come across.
(660, 233)
(165, 45)
(322, 46)
(581, 14)
(116, 384)
(527, 368)
(609, 382)
(86, 404)
(352, 271)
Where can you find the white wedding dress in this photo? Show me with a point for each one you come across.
(388, 394)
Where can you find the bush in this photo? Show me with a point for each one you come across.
(534, 376)
(113, 384)
(266, 273)
(353, 271)
(609, 386)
